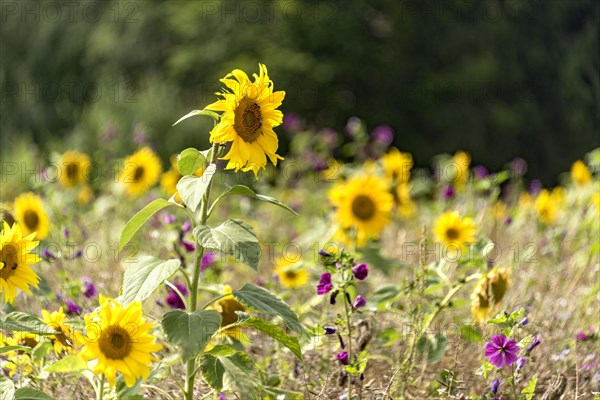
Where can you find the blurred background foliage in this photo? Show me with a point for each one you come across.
(496, 78)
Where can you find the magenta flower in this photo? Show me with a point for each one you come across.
(501, 351)
(324, 285)
(169, 218)
(359, 301)
(189, 246)
(88, 288)
(448, 192)
(173, 299)
(342, 357)
(207, 260)
(187, 226)
(72, 307)
(360, 271)
(520, 363)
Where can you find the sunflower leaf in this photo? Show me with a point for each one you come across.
(30, 394)
(193, 113)
(18, 321)
(276, 333)
(190, 332)
(71, 363)
(190, 160)
(192, 188)
(233, 237)
(262, 300)
(246, 191)
(139, 219)
(7, 388)
(225, 368)
(144, 277)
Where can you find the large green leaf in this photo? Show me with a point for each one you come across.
(233, 237)
(140, 218)
(193, 113)
(189, 161)
(6, 349)
(18, 321)
(41, 350)
(67, 364)
(276, 333)
(246, 191)
(191, 188)
(262, 300)
(30, 394)
(190, 332)
(144, 277)
(225, 368)
(434, 346)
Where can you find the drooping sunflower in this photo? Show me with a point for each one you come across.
(15, 261)
(31, 216)
(363, 203)
(56, 320)
(454, 231)
(580, 174)
(488, 292)
(74, 168)
(141, 171)
(227, 307)
(119, 339)
(290, 273)
(461, 162)
(397, 165)
(546, 206)
(404, 203)
(249, 115)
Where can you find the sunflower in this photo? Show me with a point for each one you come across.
(290, 273)
(15, 259)
(141, 171)
(461, 162)
(489, 291)
(17, 364)
(227, 307)
(119, 339)
(454, 231)
(74, 168)
(85, 195)
(249, 115)
(169, 179)
(363, 203)
(404, 203)
(580, 174)
(546, 206)
(56, 320)
(397, 165)
(525, 200)
(23, 339)
(30, 214)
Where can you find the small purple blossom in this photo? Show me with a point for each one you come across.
(501, 351)
(518, 166)
(359, 301)
(207, 260)
(520, 363)
(173, 299)
(88, 288)
(222, 396)
(66, 234)
(507, 221)
(533, 344)
(448, 192)
(360, 271)
(524, 322)
(189, 246)
(332, 297)
(323, 253)
(329, 330)
(535, 186)
(383, 134)
(47, 255)
(72, 307)
(581, 336)
(481, 172)
(324, 285)
(495, 386)
(169, 218)
(342, 357)
(187, 226)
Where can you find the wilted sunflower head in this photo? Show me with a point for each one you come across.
(488, 292)
(227, 307)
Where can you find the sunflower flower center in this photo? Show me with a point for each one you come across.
(363, 207)
(9, 259)
(452, 233)
(229, 307)
(31, 219)
(247, 120)
(28, 341)
(291, 275)
(115, 342)
(72, 170)
(138, 173)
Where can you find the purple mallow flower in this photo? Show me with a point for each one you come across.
(324, 285)
(169, 218)
(173, 299)
(88, 288)
(207, 260)
(47, 255)
(342, 357)
(521, 362)
(448, 192)
(524, 322)
(72, 307)
(332, 297)
(329, 330)
(360, 271)
(481, 172)
(495, 386)
(383, 134)
(533, 344)
(501, 351)
(187, 226)
(359, 301)
(188, 246)
(581, 336)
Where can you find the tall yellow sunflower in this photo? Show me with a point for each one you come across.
(580, 174)
(141, 171)
(119, 339)
(30, 214)
(546, 205)
(404, 203)
(454, 231)
(397, 165)
(461, 161)
(290, 273)
(74, 168)
(15, 259)
(249, 115)
(363, 203)
(56, 320)
(488, 292)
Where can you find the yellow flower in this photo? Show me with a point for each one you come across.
(397, 165)
(489, 291)
(15, 259)
(454, 231)
(23, 339)
(290, 273)
(85, 195)
(364, 204)
(141, 171)
(580, 174)
(119, 339)
(56, 320)
(74, 168)
(546, 206)
(333, 171)
(17, 364)
(249, 115)
(30, 214)
(227, 307)
(169, 179)
(596, 201)
(405, 204)
(461, 162)
(525, 200)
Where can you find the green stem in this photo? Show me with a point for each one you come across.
(190, 367)
(215, 300)
(349, 326)
(101, 388)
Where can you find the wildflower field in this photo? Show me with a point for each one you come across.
(335, 270)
